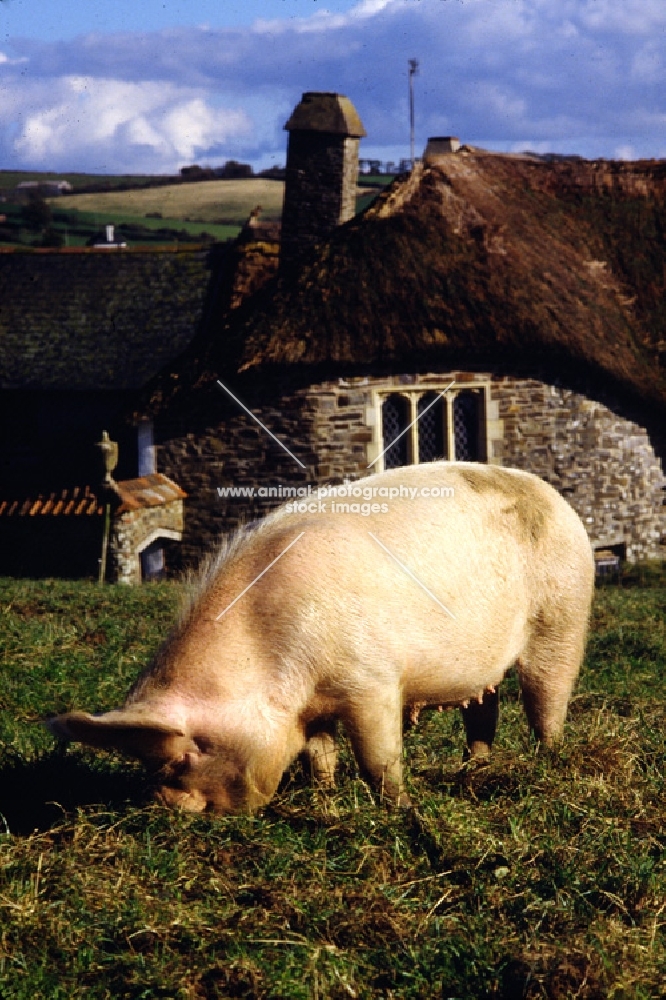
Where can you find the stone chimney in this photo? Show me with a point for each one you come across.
(440, 145)
(322, 170)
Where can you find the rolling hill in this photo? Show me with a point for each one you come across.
(205, 201)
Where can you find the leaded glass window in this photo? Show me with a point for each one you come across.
(431, 427)
(466, 426)
(395, 420)
(428, 426)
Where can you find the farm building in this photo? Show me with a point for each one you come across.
(499, 309)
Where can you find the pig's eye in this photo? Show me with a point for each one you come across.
(172, 771)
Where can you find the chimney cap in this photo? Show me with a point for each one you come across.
(319, 111)
(440, 145)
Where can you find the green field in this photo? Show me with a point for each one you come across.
(77, 228)
(203, 201)
(538, 875)
(155, 213)
(95, 222)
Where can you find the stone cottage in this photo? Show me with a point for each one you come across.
(478, 310)
(492, 308)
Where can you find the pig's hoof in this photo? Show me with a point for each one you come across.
(477, 753)
(403, 801)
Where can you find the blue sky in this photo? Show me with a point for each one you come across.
(51, 20)
(153, 85)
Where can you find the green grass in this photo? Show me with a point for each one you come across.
(539, 875)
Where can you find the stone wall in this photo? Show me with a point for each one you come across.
(230, 450)
(603, 464)
(349, 179)
(133, 530)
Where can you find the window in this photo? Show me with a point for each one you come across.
(421, 425)
(396, 414)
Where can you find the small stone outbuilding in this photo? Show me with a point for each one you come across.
(150, 511)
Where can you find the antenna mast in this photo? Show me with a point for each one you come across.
(413, 70)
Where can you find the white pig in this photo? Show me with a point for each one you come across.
(323, 614)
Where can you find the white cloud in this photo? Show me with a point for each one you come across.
(584, 75)
(637, 17)
(6, 61)
(192, 127)
(127, 122)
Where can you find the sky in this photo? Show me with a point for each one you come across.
(149, 86)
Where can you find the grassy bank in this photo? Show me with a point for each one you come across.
(540, 875)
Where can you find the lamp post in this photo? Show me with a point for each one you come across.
(413, 70)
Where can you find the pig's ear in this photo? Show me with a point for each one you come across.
(130, 733)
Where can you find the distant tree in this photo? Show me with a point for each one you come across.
(36, 214)
(232, 169)
(197, 173)
(275, 172)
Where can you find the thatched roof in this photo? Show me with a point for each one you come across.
(517, 264)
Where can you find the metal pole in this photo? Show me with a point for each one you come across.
(413, 70)
(105, 542)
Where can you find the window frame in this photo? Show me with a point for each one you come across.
(412, 393)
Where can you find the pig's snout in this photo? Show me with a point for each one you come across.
(176, 798)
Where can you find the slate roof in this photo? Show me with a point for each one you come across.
(91, 320)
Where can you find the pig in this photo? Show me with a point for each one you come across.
(342, 609)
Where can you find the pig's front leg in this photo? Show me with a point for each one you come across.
(322, 751)
(375, 729)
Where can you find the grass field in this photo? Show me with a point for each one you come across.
(76, 228)
(538, 875)
(205, 201)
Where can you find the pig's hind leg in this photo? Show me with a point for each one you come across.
(480, 718)
(548, 670)
(322, 752)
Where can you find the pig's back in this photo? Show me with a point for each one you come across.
(433, 582)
